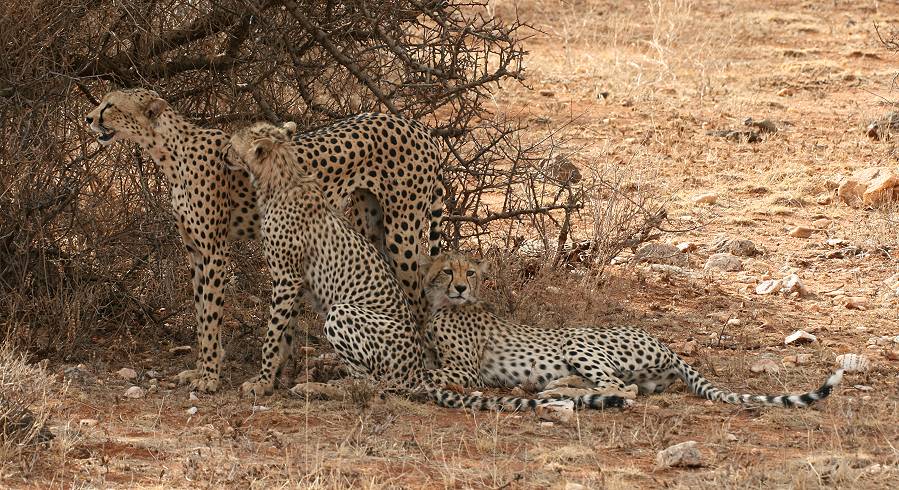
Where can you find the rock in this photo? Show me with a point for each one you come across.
(856, 303)
(707, 198)
(821, 223)
(686, 247)
(127, 373)
(153, 374)
(547, 92)
(792, 284)
(723, 261)
(869, 187)
(853, 363)
(661, 253)
(687, 348)
(556, 411)
(863, 387)
(135, 392)
(88, 422)
(192, 410)
(891, 354)
(801, 232)
(574, 486)
(764, 126)
(685, 454)
(800, 337)
(882, 128)
(181, 349)
(739, 247)
(730, 437)
(192, 397)
(786, 92)
(768, 287)
(765, 366)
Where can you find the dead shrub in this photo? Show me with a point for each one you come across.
(25, 396)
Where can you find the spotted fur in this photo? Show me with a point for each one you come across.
(384, 166)
(312, 249)
(475, 347)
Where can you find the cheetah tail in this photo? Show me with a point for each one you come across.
(451, 399)
(436, 216)
(704, 388)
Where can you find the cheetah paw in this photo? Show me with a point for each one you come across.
(257, 387)
(199, 381)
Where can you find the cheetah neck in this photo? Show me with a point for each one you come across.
(169, 142)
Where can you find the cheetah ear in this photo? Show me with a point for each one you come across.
(482, 265)
(154, 108)
(262, 148)
(290, 128)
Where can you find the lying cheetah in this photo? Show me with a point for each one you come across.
(312, 249)
(385, 166)
(475, 347)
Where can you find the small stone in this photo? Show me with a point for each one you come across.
(891, 354)
(730, 437)
(853, 363)
(863, 387)
(574, 486)
(88, 422)
(153, 374)
(856, 303)
(181, 349)
(765, 366)
(768, 287)
(801, 232)
(546, 424)
(557, 411)
(723, 261)
(707, 198)
(803, 359)
(786, 92)
(685, 454)
(135, 392)
(739, 247)
(792, 284)
(127, 373)
(192, 397)
(800, 337)
(686, 247)
(547, 93)
(192, 411)
(553, 290)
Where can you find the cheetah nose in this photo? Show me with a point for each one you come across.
(461, 288)
(88, 119)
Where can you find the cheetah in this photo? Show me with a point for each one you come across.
(384, 167)
(475, 347)
(313, 250)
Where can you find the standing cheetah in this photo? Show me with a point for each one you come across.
(311, 249)
(386, 167)
(475, 347)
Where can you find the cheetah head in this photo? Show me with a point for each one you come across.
(253, 147)
(454, 279)
(127, 115)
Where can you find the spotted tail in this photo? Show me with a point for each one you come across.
(451, 399)
(704, 388)
(436, 216)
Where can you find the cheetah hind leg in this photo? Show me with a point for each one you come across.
(597, 370)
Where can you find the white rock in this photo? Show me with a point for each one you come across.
(153, 374)
(192, 396)
(181, 349)
(127, 373)
(661, 253)
(135, 392)
(192, 410)
(856, 303)
(792, 284)
(730, 437)
(768, 287)
(863, 387)
(853, 363)
(707, 198)
(556, 411)
(686, 247)
(799, 337)
(724, 261)
(546, 424)
(574, 486)
(88, 422)
(553, 290)
(685, 454)
(765, 366)
(801, 232)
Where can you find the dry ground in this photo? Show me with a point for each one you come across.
(671, 71)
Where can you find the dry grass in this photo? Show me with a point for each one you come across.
(635, 86)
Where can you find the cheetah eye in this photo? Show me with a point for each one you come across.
(448, 272)
(469, 273)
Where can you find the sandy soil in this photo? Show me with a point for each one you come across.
(636, 85)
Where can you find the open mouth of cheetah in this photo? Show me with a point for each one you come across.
(105, 135)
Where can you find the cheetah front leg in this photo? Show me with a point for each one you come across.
(278, 340)
(208, 279)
